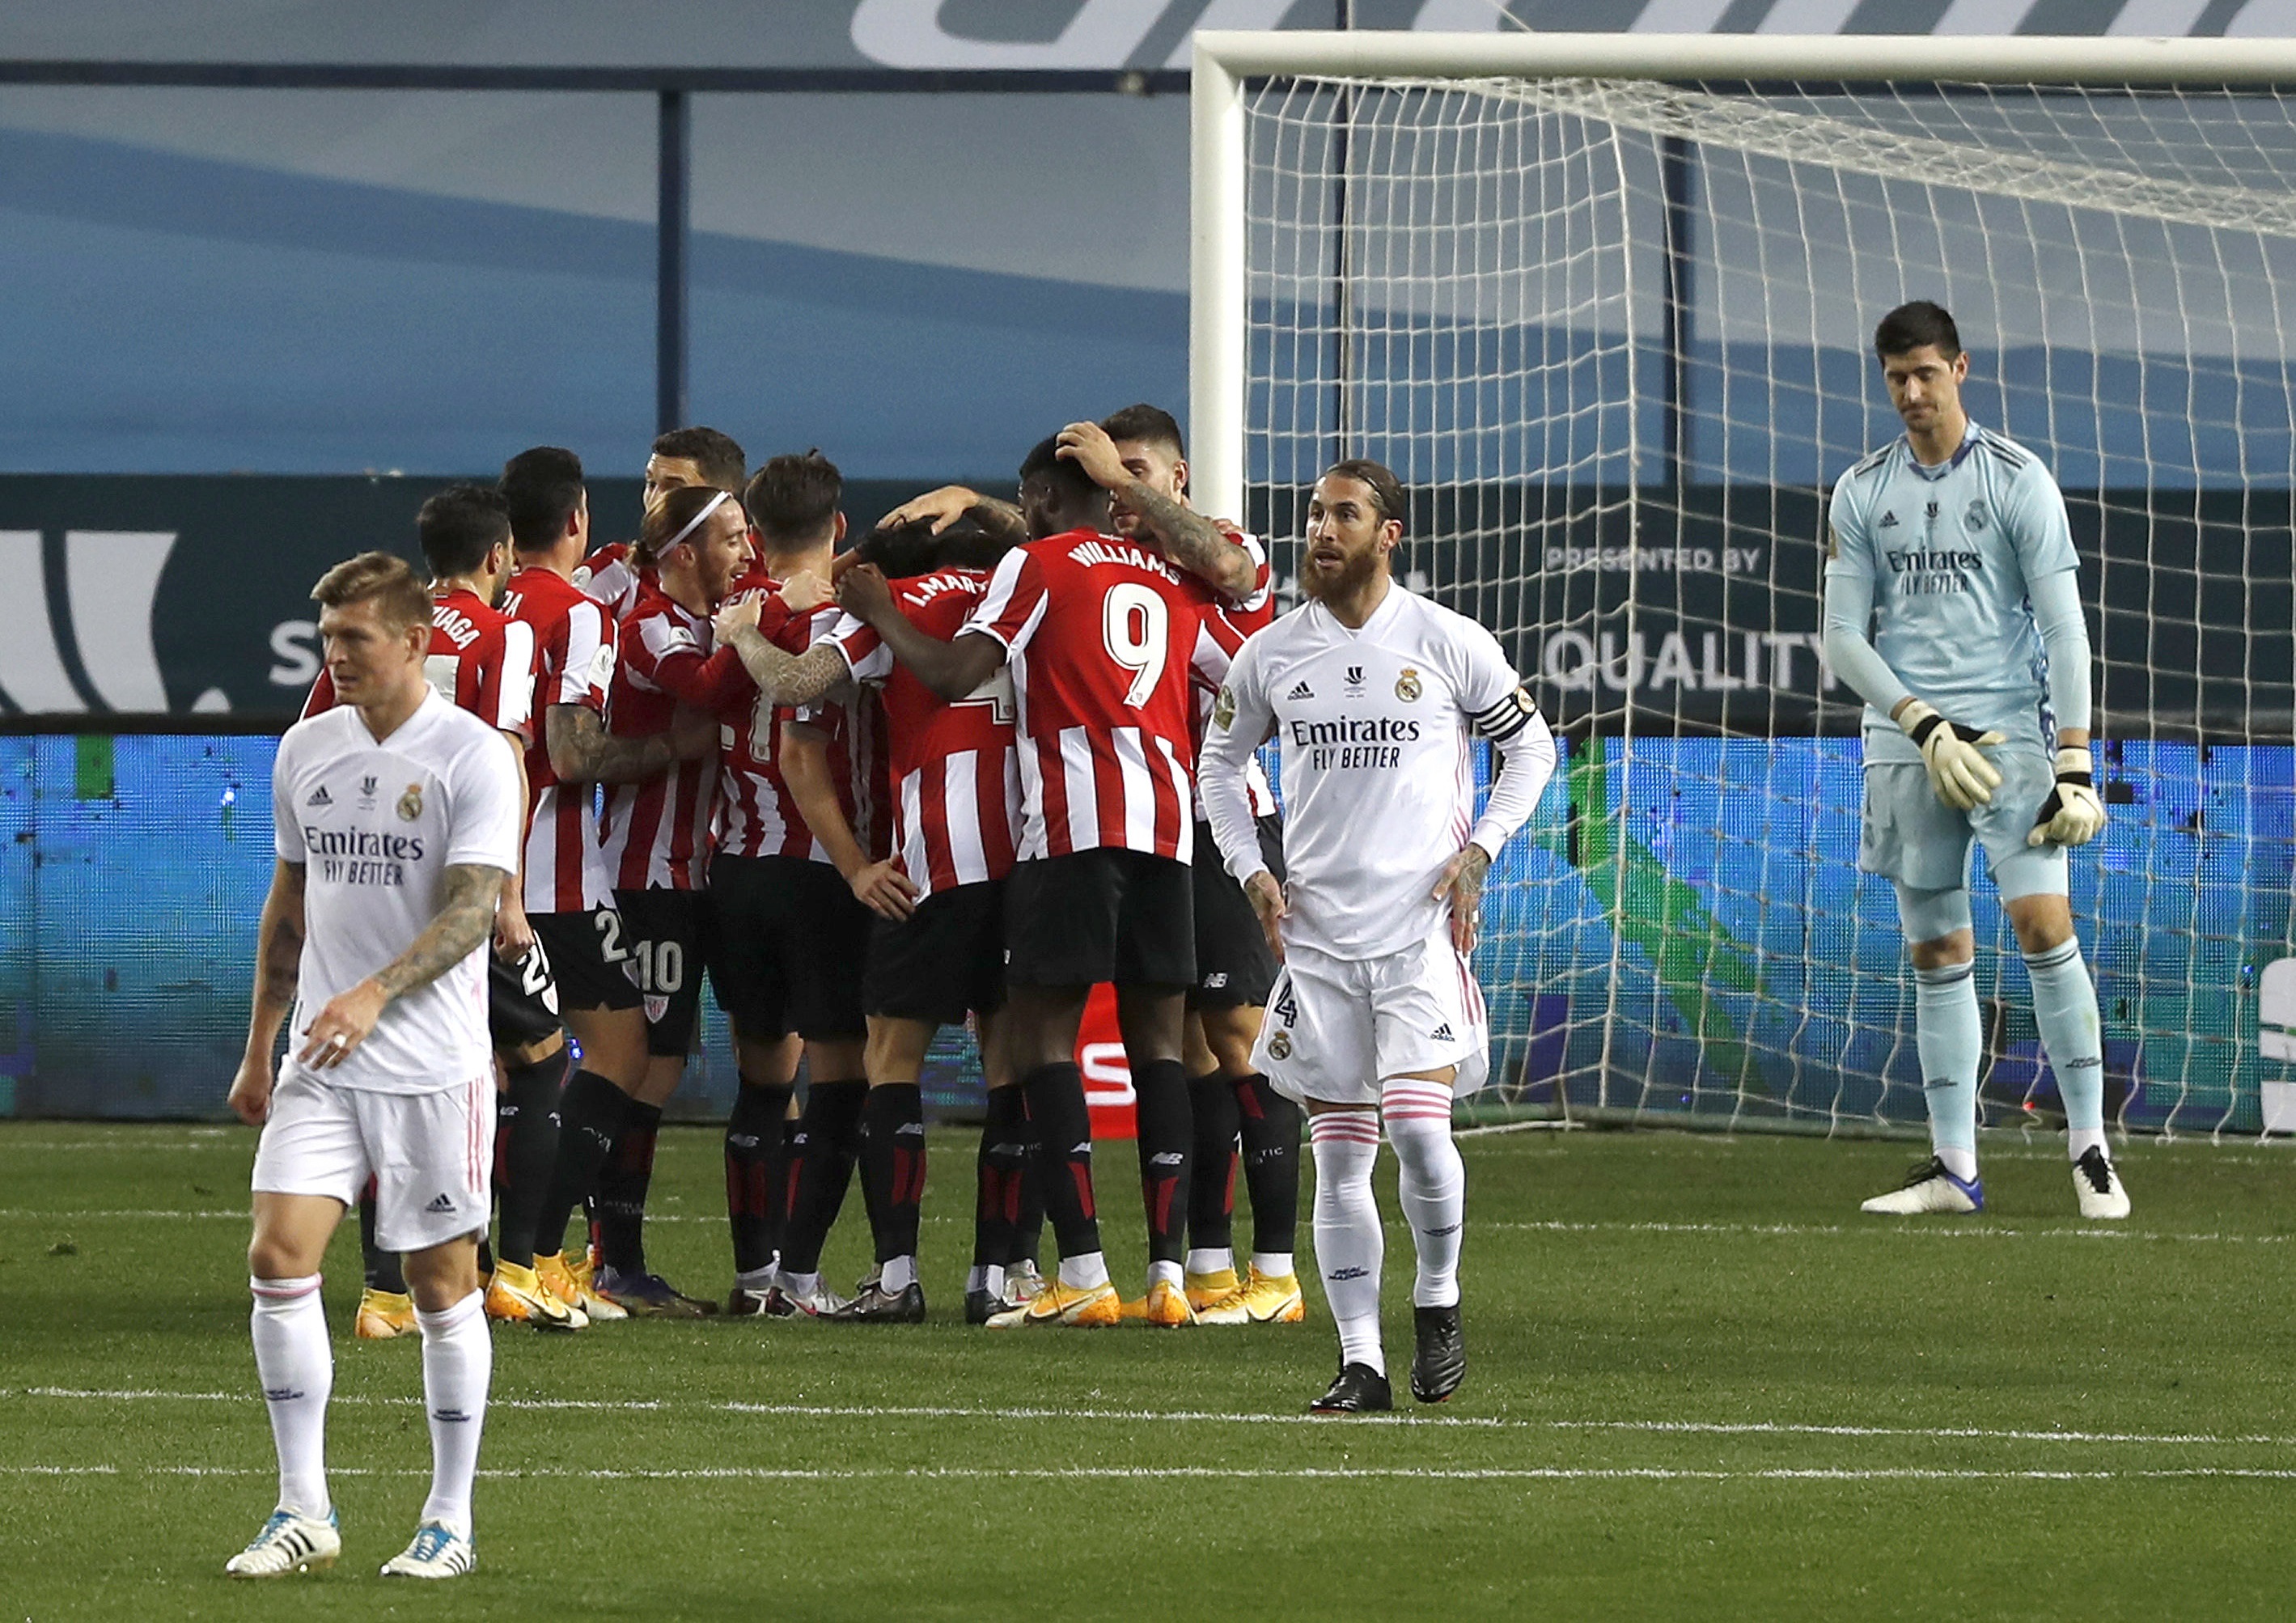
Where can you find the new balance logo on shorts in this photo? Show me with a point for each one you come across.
(1302, 690)
(1443, 1033)
(444, 1205)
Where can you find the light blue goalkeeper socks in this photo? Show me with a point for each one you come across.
(1949, 1038)
(2064, 1007)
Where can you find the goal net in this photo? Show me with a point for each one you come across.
(1605, 306)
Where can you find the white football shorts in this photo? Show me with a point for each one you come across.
(429, 1154)
(1336, 1025)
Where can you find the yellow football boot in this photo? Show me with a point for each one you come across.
(570, 1282)
(1205, 1289)
(518, 1296)
(1057, 1304)
(383, 1315)
(1265, 1298)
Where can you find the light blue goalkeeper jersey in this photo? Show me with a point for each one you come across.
(1949, 553)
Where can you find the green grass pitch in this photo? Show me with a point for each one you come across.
(1701, 1386)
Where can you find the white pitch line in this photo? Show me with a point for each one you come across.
(1882, 1230)
(1246, 1473)
(808, 1410)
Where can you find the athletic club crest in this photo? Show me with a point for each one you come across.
(1406, 685)
(410, 804)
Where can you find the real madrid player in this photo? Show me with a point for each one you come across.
(1376, 696)
(1951, 544)
(397, 818)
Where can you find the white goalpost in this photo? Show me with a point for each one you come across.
(1604, 304)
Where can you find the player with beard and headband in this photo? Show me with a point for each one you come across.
(484, 663)
(655, 837)
(681, 459)
(1102, 636)
(1375, 695)
(809, 869)
(397, 821)
(955, 829)
(569, 898)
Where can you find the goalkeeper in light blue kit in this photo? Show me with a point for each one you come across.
(1950, 544)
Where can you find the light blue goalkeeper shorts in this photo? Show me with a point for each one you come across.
(1912, 837)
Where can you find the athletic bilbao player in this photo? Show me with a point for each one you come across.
(1226, 1094)
(956, 831)
(569, 900)
(654, 836)
(1102, 635)
(681, 459)
(484, 664)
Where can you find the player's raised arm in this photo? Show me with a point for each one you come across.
(951, 669)
(1187, 537)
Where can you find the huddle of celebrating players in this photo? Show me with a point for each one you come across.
(989, 758)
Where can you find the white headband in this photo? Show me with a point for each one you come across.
(695, 523)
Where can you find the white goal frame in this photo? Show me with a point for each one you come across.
(1225, 58)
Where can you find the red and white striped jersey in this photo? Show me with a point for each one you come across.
(757, 815)
(1232, 628)
(655, 834)
(480, 661)
(854, 722)
(956, 774)
(1102, 636)
(573, 665)
(608, 576)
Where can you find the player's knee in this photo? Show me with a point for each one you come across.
(2043, 922)
(1230, 1034)
(441, 1277)
(1936, 925)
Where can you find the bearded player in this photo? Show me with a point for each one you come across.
(1376, 696)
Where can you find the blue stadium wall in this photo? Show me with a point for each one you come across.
(1682, 930)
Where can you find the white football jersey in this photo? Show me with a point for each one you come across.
(374, 827)
(1375, 731)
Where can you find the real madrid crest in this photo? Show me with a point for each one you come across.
(1406, 685)
(1279, 1047)
(410, 804)
(1223, 709)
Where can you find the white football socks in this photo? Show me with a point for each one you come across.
(2064, 1007)
(1085, 1271)
(458, 1363)
(1350, 1246)
(1951, 1042)
(297, 1367)
(1431, 1180)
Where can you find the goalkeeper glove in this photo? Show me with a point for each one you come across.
(1958, 770)
(2072, 814)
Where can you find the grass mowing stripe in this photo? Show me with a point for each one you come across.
(1243, 1473)
(823, 1411)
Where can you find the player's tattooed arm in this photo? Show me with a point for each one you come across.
(950, 502)
(951, 669)
(1463, 883)
(782, 677)
(1188, 539)
(464, 920)
(278, 963)
(582, 752)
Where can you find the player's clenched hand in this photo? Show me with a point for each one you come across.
(251, 1091)
(1088, 446)
(804, 592)
(342, 1026)
(885, 891)
(1463, 882)
(1955, 755)
(944, 506)
(862, 593)
(732, 617)
(1266, 899)
(2072, 815)
(513, 935)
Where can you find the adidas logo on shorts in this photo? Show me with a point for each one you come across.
(1443, 1033)
(444, 1206)
(1302, 690)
